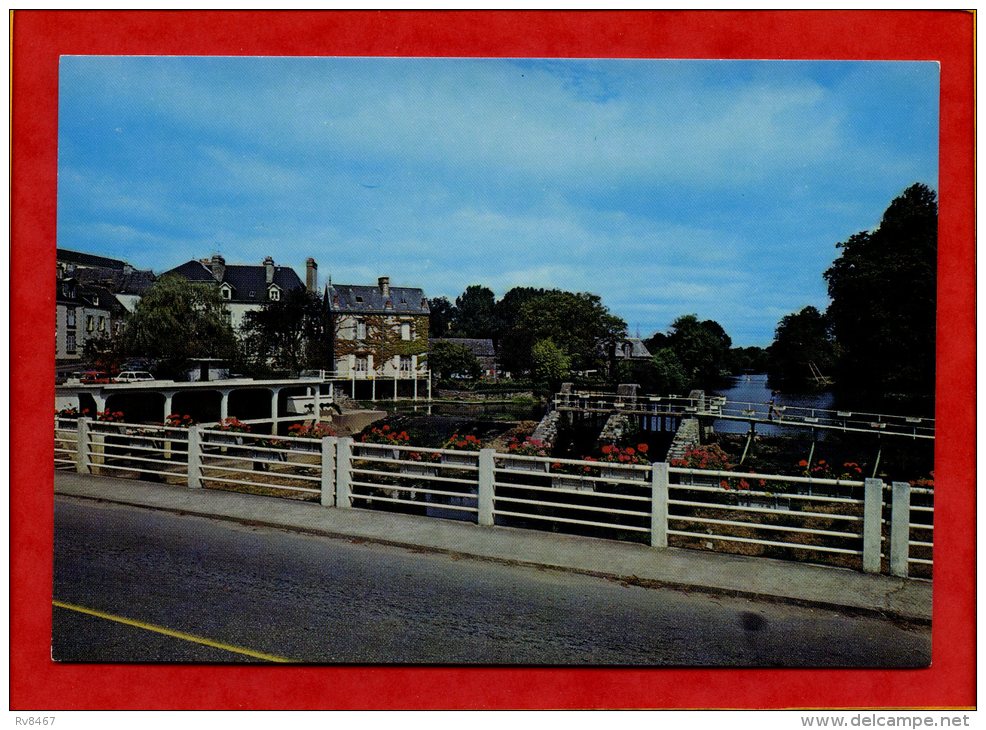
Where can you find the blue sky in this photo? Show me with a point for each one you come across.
(666, 187)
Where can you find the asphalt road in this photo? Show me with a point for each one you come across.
(135, 585)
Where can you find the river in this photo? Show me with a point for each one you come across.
(754, 389)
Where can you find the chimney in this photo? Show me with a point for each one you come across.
(311, 275)
(269, 266)
(218, 266)
(384, 284)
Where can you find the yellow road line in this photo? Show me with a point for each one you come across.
(170, 632)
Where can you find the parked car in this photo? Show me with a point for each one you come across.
(94, 377)
(133, 376)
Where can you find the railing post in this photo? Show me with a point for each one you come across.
(484, 498)
(329, 471)
(344, 475)
(900, 529)
(659, 481)
(83, 464)
(194, 458)
(872, 524)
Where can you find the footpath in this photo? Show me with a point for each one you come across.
(755, 578)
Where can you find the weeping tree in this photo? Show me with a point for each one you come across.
(177, 320)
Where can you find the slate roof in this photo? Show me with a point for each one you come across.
(119, 282)
(249, 282)
(88, 259)
(637, 348)
(478, 347)
(354, 299)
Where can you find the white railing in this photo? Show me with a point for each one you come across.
(434, 482)
(721, 408)
(262, 464)
(133, 450)
(66, 443)
(858, 524)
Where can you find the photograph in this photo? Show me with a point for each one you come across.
(492, 360)
(666, 328)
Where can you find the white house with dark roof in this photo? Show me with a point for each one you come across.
(378, 331)
(245, 287)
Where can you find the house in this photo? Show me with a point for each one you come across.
(481, 349)
(631, 348)
(378, 331)
(81, 314)
(93, 295)
(244, 287)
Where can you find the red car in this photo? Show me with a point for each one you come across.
(94, 377)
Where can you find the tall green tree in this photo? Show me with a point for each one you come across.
(291, 333)
(176, 321)
(474, 313)
(883, 295)
(800, 341)
(513, 343)
(441, 316)
(702, 348)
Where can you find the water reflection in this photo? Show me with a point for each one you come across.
(753, 389)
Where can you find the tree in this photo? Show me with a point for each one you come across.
(800, 340)
(702, 349)
(291, 333)
(176, 321)
(883, 295)
(513, 343)
(549, 366)
(474, 313)
(667, 373)
(441, 316)
(747, 360)
(577, 323)
(451, 360)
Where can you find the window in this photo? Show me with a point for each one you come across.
(70, 317)
(70, 343)
(90, 323)
(362, 364)
(359, 300)
(360, 329)
(405, 363)
(274, 294)
(405, 330)
(102, 324)
(226, 292)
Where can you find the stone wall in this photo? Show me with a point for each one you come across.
(687, 437)
(617, 425)
(547, 429)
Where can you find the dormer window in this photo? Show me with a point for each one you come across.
(226, 292)
(359, 300)
(274, 294)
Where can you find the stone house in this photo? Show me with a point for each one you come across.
(244, 287)
(378, 331)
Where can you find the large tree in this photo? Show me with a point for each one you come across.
(291, 333)
(702, 348)
(474, 313)
(513, 344)
(549, 366)
(801, 341)
(577, 323)
(176, 321)
(441, 316)
(883, 294)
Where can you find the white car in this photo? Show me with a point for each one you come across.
(133, 376)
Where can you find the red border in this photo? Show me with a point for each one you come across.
(39, 37)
